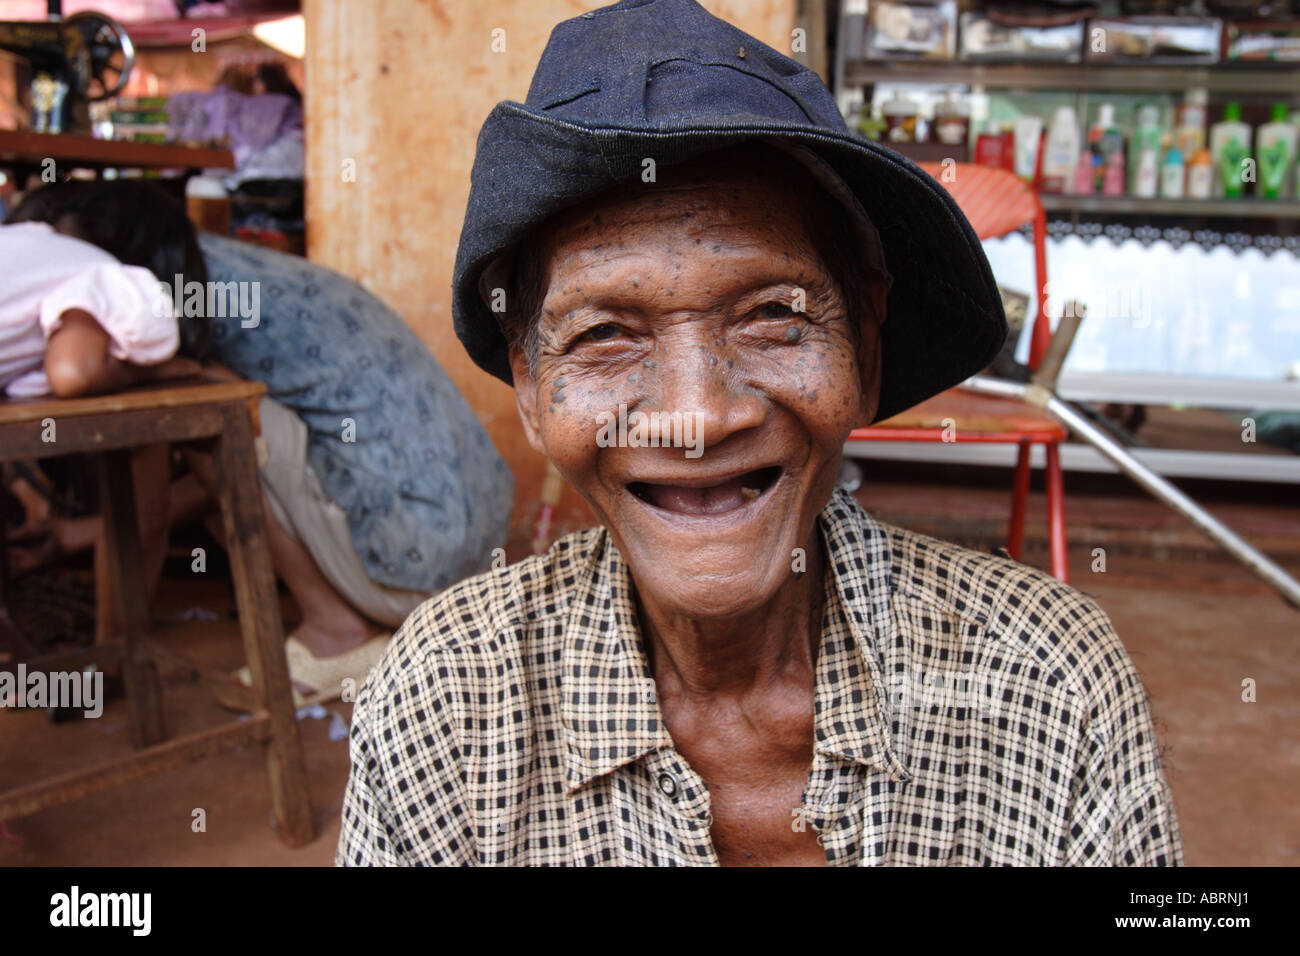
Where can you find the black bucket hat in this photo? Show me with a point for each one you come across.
(666, 80)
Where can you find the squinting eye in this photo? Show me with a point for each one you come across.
(775, 310)
(599, 333)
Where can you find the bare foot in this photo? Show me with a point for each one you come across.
(332, 642)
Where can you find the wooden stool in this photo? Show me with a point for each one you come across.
(222, 416)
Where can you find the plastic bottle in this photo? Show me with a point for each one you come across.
(1295, 121)
(1144, 173)
(1171, 173)
(1229, 147)
(1200, 175)
(1061, 151)
(1105, 140)
(1275, 148)
(1190, 136)
(1027, 138)
(1085, 174)
(1112, 183)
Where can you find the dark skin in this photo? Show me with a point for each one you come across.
(677, 297)
(78, 363)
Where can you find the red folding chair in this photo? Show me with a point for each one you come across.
(997, 203)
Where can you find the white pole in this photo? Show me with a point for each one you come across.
(1286, 585)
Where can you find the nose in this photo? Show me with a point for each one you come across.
(706, 384)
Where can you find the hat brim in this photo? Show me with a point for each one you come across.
(944, 321)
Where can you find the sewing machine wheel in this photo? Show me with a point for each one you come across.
(111, 53)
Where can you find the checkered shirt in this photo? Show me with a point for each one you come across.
(969, 711)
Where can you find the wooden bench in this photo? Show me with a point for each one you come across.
(223, 418)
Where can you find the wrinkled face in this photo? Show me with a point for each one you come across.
(696, 378)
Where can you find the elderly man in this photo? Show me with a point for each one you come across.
(739, 666)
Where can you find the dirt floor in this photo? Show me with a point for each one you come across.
(1196, 625)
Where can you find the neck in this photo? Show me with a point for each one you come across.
(777, 641)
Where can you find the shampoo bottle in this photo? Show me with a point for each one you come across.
(1027, 136)
(1275, 146)
(1144, 172)
(1171, 173)
(1085, 174)
(1105, 140)
(1229, 148)
(1061, 151)
(1295, 121)
(1200, 175)
(1190, 135)
(1112, 183)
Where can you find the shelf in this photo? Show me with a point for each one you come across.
(1133, 206)
(1169, 462)
(1263, 81)
(1199, 391)
(1250, 208)
(83, 151)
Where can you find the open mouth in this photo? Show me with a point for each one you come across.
(708, 499)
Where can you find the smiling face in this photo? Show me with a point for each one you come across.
(703, 299)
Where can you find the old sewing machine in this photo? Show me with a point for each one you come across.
(73, 62)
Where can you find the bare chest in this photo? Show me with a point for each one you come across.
(756, 772)
(762, 825)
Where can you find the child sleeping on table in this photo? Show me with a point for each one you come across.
(76, 321)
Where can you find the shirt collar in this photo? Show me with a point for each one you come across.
(609, 706)
(854, 707)
(610, 710)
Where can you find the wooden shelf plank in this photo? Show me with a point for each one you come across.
(17, 144)
(1261, 81)
(1134, 206)
(1169, 462)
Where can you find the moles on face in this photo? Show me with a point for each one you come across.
(702, 298)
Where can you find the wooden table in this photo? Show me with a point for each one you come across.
(25, 146)
(223, 418)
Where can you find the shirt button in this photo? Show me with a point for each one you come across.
(667, 784)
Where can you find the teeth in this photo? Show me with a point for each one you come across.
(749, 493)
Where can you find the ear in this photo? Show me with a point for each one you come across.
(871, 368)
(526, 399)
(869, 400)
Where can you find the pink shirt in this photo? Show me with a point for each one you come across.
(44, 274)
